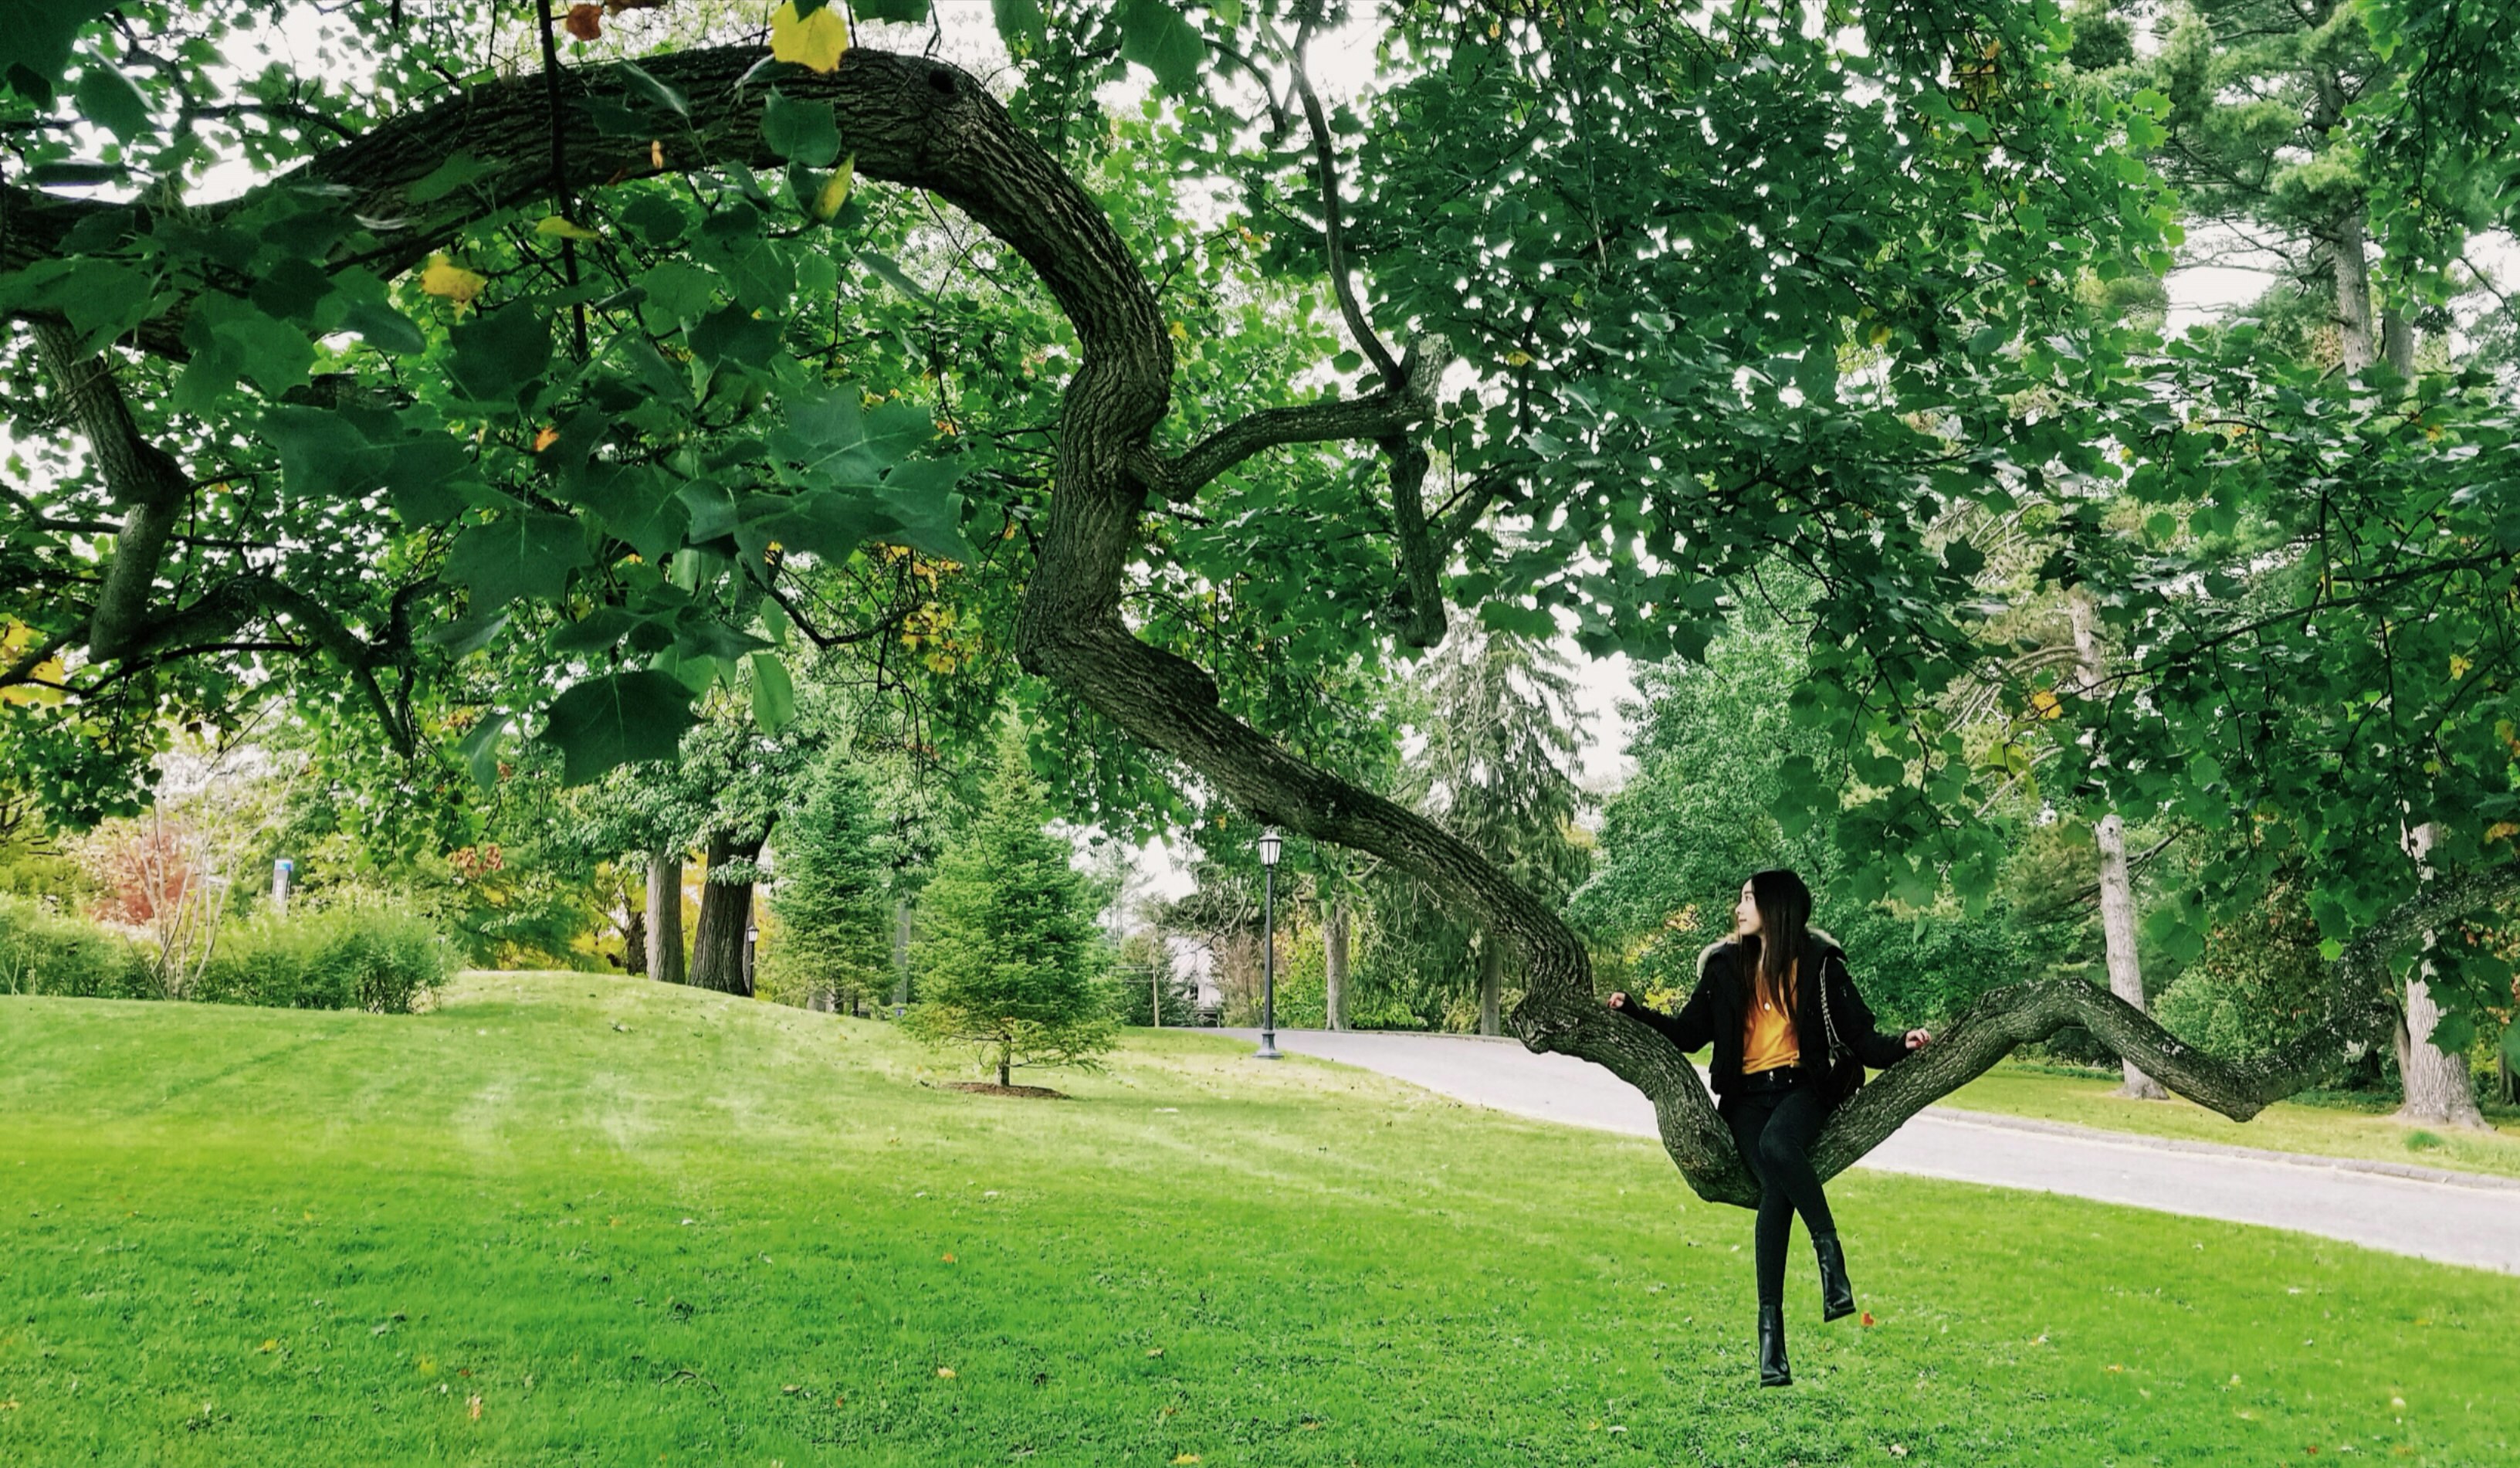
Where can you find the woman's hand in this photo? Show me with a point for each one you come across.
(1917, 1040)
(1619, 999)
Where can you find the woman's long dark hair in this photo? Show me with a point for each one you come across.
(1784, 907)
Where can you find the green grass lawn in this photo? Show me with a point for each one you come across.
(571, 1219)
(2286, 1126)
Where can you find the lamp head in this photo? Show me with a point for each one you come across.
(1270, 846)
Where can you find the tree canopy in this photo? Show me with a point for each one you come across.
(542, 396)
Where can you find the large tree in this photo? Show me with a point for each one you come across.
(1633, 307)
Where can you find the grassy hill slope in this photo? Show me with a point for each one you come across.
(574, 1219)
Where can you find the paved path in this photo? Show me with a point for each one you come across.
(2474, 1222)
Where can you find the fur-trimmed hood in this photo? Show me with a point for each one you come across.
(1818, 937)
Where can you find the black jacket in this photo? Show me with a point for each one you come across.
(1716, 1011)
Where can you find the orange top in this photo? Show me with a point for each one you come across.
(1767, 1039)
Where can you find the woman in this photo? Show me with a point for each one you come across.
(1777, 1002)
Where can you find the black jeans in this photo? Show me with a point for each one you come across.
(1774, 1129)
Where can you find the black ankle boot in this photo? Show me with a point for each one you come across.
(1773, 1370)
(1836, 1292)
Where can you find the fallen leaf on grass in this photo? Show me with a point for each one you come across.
(1898, 1449)
(949, 1258)
(1157, 1350)
(947, 1372)
(1868, 1320)
(1184, 1457)
(268, 1346)
(473, 1407)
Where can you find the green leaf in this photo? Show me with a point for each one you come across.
(1153, 34)
(425, 476)
(639, 505)
(732, 334)
(774, 697)
(498, 357)
(383, 328)
(919, 497)
(444, 179)
(615, 720)
(109, 100)
(801, 132)
(468, 635)
(647, 88)
(1020, 20)
(276, 355)
(595, 632)
(479, 750)
(35, 44)
(524, 553)
(323, 455)
(911, 11)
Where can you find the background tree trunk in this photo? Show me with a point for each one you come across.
(665, 917)
(2438, 1087)
(2117, 884)
(1334, 965)
(2117, 930)
(901, 951)
(1490, 983)
(2357, 329)
(633, 947)
(725, 911)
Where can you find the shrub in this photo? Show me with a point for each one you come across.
(375, 958)
(44, 954)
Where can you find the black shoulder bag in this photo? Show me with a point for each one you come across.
(1845, 1071)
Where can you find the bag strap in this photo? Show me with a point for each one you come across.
(1828, 1020)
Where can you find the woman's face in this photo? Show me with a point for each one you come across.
(1745, 913)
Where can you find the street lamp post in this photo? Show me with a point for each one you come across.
(1269, 848)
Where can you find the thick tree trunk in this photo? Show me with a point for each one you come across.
(665, 917)
(1005, 1064)
(2439, 1090)
(726, 911)
(2117, 930)
(1490, 984)
(1334, 965)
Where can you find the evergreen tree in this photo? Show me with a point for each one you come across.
(833, 903)
(1008, 955)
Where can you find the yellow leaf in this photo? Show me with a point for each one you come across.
(818, 40)
(268, 1346)
(444, 277)
(1880, 333)
(546, 437)
(947, 1372)
(2458, 667)
(837, 193)
(1517, 359)
(2501, 829)
(1186, 1457)
(558, 227)
(2044, 703)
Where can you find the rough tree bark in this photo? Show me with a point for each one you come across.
(726, 911)
(633, 947)
(665, 917)
(929, 125)
(1334, 965)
